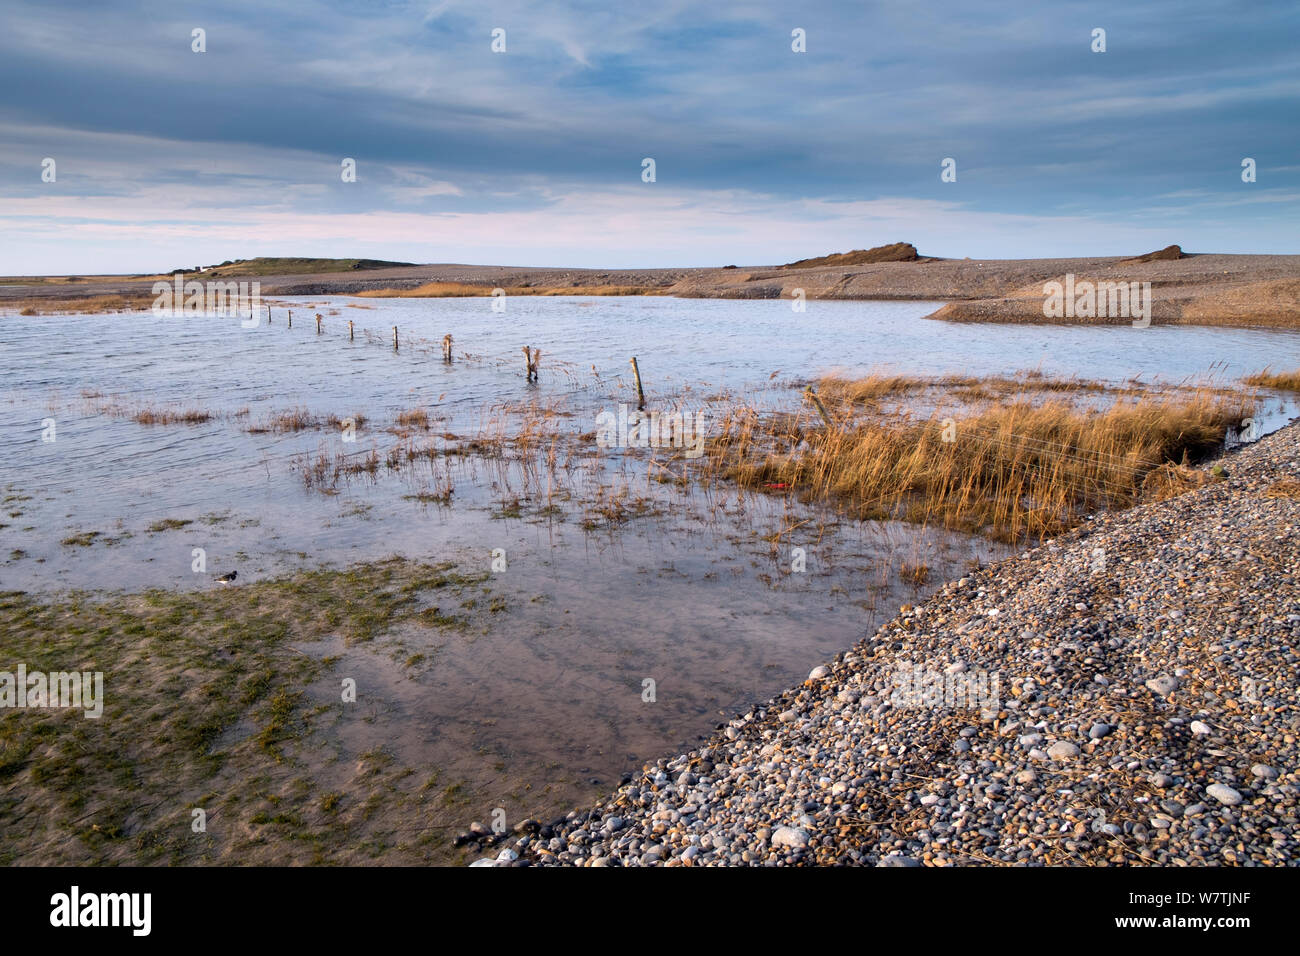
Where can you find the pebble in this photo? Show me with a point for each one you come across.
(1224, 794)
(1164, 685)
(1062, 750)
(789, 836)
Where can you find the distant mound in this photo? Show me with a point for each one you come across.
(270, 266)
(895, 252)
(1168, 252)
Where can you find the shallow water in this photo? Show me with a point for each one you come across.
(691, 595)
(114, 476)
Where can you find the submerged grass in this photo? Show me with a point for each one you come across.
(204, 705)
(302, 419)
(171, 416)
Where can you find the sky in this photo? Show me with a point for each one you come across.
(164, 157)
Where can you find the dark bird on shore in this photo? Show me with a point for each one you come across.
(227, 578)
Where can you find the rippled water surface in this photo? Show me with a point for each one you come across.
(691, 349)
(691, 593)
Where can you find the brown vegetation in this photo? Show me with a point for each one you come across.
(1168, 252)
(302, 419)
(414, 418)
(894, 252)
(50, 305)
(1009, 471)
(1287, 381)
(167, 416)
(869, 389)
(1284, 489)
(442, 290)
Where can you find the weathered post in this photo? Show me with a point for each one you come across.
(531, 357)
(821, 409)
(351, 331)
(446, 347)
(394, 338)
(640, 395)
(318, 323)
(291, 318)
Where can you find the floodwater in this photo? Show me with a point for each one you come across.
(691, 593)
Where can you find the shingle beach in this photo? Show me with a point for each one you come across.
(1125, 694)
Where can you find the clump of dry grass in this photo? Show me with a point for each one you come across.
(357, 420)
(616, 506)
(870, 389)
(914, 574)
(145, 414)
(51, 305)
(1284, 489)
(301, 419)
(168, 416)
(414, 418)
(1171, 480)
(1288, 381)
(290, 420)
(1010, 471)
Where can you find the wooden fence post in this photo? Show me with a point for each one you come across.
(640, 395)
(821, 409)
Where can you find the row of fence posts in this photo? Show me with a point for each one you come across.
(532, 359)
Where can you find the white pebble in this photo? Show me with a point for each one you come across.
(1224, 794)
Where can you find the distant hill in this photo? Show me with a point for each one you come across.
(269, 266)
(1168, 252)
(895, 252)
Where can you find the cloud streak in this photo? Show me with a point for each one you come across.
(1056, 146)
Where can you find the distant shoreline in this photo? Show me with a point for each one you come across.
(1199, 289)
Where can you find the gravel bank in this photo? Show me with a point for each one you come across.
(1205, 288)
(1124, 694)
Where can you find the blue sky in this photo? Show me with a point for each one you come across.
(166, 157)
